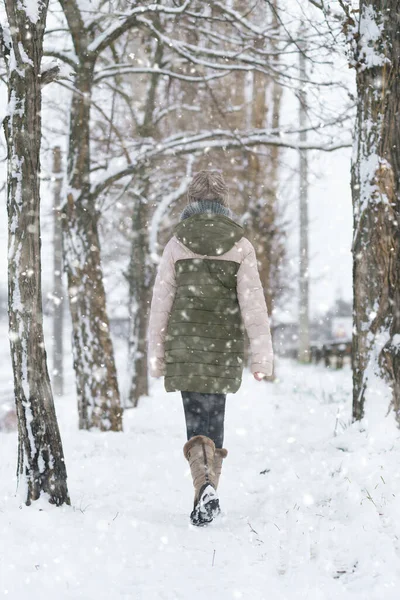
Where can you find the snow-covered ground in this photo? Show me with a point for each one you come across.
(311, 504)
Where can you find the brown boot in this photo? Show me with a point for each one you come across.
(220, 454)
(200, 453)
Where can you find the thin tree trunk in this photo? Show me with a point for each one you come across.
(271, 181)
(58, 293)
(304, 327)
(263, 177)
(40, 452)
(96, 378)
(141, 270)
(376, 202)
(140, 280)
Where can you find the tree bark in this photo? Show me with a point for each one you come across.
(99, 403)
(58, 293)
(376, 202)
(40, 452)
(139, 280)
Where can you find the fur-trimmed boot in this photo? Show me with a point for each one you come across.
(199, 451)
(220, 454)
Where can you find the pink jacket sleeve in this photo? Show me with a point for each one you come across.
(254, 313)
(161, 305)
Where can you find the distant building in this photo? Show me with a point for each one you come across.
(334, 326)
(342, 328)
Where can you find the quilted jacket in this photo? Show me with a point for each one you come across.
(207, 288)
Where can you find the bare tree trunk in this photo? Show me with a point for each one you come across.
(376, 201)
(58, 293)
(304, 327)
(40, 452)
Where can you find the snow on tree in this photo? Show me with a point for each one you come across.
(374, 52)
(96, 377)
(40, 454)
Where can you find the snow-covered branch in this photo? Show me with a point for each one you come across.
(227, 60)
(235, 16)
(160, 114)
(118, 28)
(203, 142)
(49, 73)
(126, 69)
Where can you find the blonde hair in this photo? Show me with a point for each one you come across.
(208, 185)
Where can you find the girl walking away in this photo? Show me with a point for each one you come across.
(207, 287)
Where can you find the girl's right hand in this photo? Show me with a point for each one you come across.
(259, 376)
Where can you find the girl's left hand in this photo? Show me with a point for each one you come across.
(259, 376)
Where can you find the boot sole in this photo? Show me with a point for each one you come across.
(207, 508)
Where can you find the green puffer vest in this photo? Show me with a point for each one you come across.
(204, 339)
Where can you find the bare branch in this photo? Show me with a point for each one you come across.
(114, 128)
(70, 59)
(319, 5)
(49, 74)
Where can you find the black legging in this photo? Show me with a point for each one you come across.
(205, 414)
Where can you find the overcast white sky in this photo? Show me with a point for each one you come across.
(330, 226)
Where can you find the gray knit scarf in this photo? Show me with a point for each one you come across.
(206, 206)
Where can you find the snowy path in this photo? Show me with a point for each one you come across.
(307, 513)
